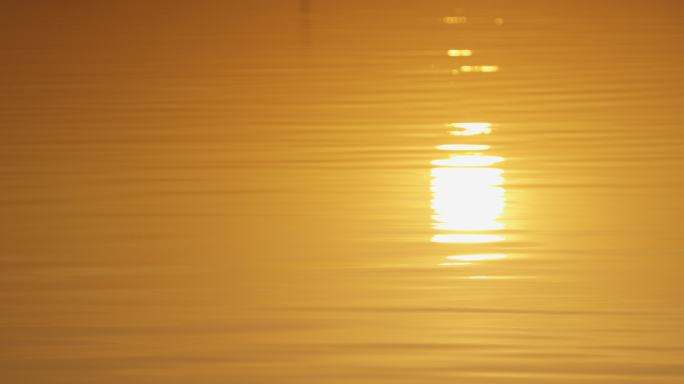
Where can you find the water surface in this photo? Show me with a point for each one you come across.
(261, 192)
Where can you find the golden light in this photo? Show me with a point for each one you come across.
(465, 225)
(488, 207)
(468, 216)
(462, 147)
(458, 192)
(466, 177)
(472, 161)
(467, 199)
(466, 238)
(455, 20)
(476, 257)
(470, 125)
(459, 52)
(468, 129)
(479, 68)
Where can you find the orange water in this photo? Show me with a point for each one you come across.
(244, 192)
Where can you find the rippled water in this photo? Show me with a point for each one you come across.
(269, 192)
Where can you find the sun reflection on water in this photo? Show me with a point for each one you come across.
(468, 129)
(462, 147)
(479, 68)
(476, 257)
(467, 193)
(459, 52)
(466, 238)
(455, 20)
(469, 161)
(463, 178)
(467, 198)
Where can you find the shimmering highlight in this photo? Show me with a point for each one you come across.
(476, 257)
(466, 238)
(479, 68)
(468, 129)
(462, 147)
(455, 20)
(469, 161)
(460, 52)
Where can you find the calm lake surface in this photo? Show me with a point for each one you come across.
(342, 192)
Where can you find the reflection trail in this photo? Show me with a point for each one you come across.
(467, 196)
(467, 193)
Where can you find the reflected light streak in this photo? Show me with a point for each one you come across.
(469, 225)
(479, 68)
(446, 191)
(462, 147)
(455, 20)
(467, 177)
(476, 257)
(471, 125)
(487, 208)
(466, 199)
(473, 161)
(466, 238)
(459, 52)
(456, 263)
(467, 129)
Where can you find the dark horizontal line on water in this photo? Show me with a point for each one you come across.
(456, 310)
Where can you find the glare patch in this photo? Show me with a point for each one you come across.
(476, 257)
(469, 161)
(459, 52)
(467, 199)
(466, 178)
(468, 129)
(455, 20)
(479, 68)
(466, 238)
(486, 192)
(462, 147)
(465, 192)
(468, 225)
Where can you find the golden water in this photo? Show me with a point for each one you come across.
(341, 192)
